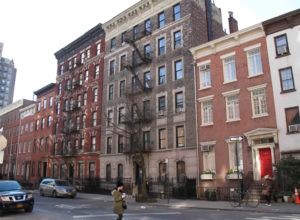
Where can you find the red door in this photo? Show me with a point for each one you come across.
(265, 158)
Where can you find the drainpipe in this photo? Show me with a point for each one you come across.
(197, 138)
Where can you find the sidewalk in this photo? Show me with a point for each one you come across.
(283, 208)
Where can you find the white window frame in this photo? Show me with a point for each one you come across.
(208, 83)
(256, 67)
(235, 109)
(251, 90)
(229, 76)
(202, 101)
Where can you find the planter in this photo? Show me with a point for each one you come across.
(207, 176)
(234, 176)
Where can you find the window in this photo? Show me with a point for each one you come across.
(147, 80)
(286, 80)
(259, 102)
(122, 62)
(146, 140)
(108, 145)
(178, 69)
(94, 141)
(207, 112)
(123, 37)
(180, 170)
(94, 119)
(229, 69)
(121, 115)
(161, 20)
(122, 88)
(92, 169)
(69, 84)
(43, 123)
(162, 138)
(80, 170)
(177, 39)
(98, 49)
(111, 67)
(59, 88)
(82, 143)
(176, 12)
(109, 118)
(97, 71)
(232, 108)
(77, 123)
(179, 101)
(108, 172)
(147, 51)
(232, 156)
(85, 98)
(281, 44)
(45, 103)
(86, 75)
(120, 171)
(180, 136)
(49, 121)
(66, 105)
(51, 101)
(147, 26)
(88, 54)
(95, 95)
(161, 75)
(254, 62)
(135, 32)
(205, 77)
(161, 103)
(121, 142)
(146, 108)
(75, 62)
(82, 57)
(70, 65)
(161, 46)
(80, 79)
(61, 69)
(39, 106)
(110, 92)
(58, 108)
(162, 171)
(292, 119)
(112, 44)
(79, 101)
(83, 121)
(209, 162)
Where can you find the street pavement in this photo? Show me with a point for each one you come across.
(93, 206)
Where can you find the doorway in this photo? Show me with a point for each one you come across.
(44, 174)
(265, 158)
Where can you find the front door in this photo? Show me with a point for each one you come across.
(44, 169)
(265, 158)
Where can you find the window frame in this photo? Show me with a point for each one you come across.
(292, 79)
(161, 139)
(161, 18)
(176, 13)
(278, 55)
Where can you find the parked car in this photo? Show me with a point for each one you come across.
(12, 197)
(57, 188)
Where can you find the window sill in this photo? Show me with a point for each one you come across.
(206, 125)
(291, 133)
(259, 116)
(256, 75)
(230, 82)
(233, 120)
(288, 91)
(204, 88)
(283, 55)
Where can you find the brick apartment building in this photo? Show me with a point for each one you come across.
(78, 107)
(282, 35)
(149, 78)
(235, 99)
(10, 122)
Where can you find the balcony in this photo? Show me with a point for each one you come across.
(137, 148)
(132, 37)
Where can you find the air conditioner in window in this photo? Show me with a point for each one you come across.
(206, 148)
(294, 128)
(282, 50)
(204, 67)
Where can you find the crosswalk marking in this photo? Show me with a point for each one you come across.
(282, 217)
(127, 214)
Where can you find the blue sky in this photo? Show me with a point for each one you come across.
(33, 30)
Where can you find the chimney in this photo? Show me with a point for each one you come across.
(233, 24)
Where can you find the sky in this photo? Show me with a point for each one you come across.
(33, 30)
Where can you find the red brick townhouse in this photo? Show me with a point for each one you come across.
(78, 107)
(235, 99)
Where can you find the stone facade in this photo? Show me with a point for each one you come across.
(192, 26)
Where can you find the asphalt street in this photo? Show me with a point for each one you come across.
(47, 208)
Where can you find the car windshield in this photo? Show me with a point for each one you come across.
(61, 183)
(9, 186)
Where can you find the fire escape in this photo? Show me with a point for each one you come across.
(138, 116)
(70, 115)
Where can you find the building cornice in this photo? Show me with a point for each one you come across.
(14, 106)
(44, 89)
(228, 41)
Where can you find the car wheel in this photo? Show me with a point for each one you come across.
(54, 194)
(29, 209)
(41, 192)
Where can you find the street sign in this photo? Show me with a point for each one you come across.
(236, 138)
